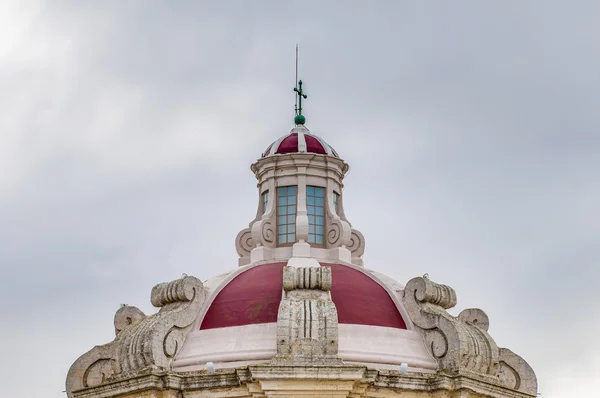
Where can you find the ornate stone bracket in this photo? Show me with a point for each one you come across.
(357, 246)
(244, 243)
(142, 341)
(307, 323)
(338, 231)
(462, 343)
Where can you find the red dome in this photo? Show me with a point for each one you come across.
(254, 295)
(300, 140)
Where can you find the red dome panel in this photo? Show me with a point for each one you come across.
(289, 144)
(254, 296)
(313, 145)
(251, 297)
(362, 301)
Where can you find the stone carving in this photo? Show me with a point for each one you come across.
(244, 243)
(307, 321)
(310, 278)
(334, 232)
(127, 315)
(357, 243)
(462, 343)
(515, 373)
(263, 233)
(338, 230)
(267, 232)
(142, 341)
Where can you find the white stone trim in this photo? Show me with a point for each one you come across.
(275, 145)
(232, 344)
(301, 142)
(377, 345)
(373, 346)
(324, 145)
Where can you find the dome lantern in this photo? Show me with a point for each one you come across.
(300, 214)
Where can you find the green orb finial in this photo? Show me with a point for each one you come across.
(299, 120)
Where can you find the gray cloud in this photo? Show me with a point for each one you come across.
(127, 133)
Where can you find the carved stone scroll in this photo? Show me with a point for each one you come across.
(142, 341)
(357, 244)
(515, 373)
(462, 343)
(455, 344)
(127, 315)
(244, 243)
(156, 340)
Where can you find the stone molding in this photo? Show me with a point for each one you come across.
(286, 381)
(141, 341)
(462, 344)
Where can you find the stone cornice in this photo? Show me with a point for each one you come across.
(246, 382)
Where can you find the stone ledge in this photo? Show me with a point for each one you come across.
(244, 382)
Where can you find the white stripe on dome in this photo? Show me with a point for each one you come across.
(301, 142)
(325, 145)
(276, 144)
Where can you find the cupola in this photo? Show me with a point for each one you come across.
(300, 212)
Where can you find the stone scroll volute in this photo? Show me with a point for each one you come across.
(462, 343)
(142, 341)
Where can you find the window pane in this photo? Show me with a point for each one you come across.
(319, 192)
(291, 219)
(311, 220)
(310, 210)
(310, 190)
(282, 191)
(291, 229)
(311, 229)
(319, 201)
(292, 200)
(282, 200)
(319, 220)
(282, 229)
(319, 239)
(291, 210)
(282, 239)
(282, 220)
(310, 200)
(318, 229)
(291, 238)
(291, 191)
(319, 211)
(311, 238)
(282, 210)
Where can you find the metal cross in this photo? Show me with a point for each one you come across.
(301, 95)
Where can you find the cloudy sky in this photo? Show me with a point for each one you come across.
(127, 130)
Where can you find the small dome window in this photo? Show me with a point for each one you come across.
(315, 206)
(265, 201)
(336, 202)
(286, 214)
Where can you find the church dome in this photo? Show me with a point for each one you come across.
(300, 315)
(239, 323)
(300, 140)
